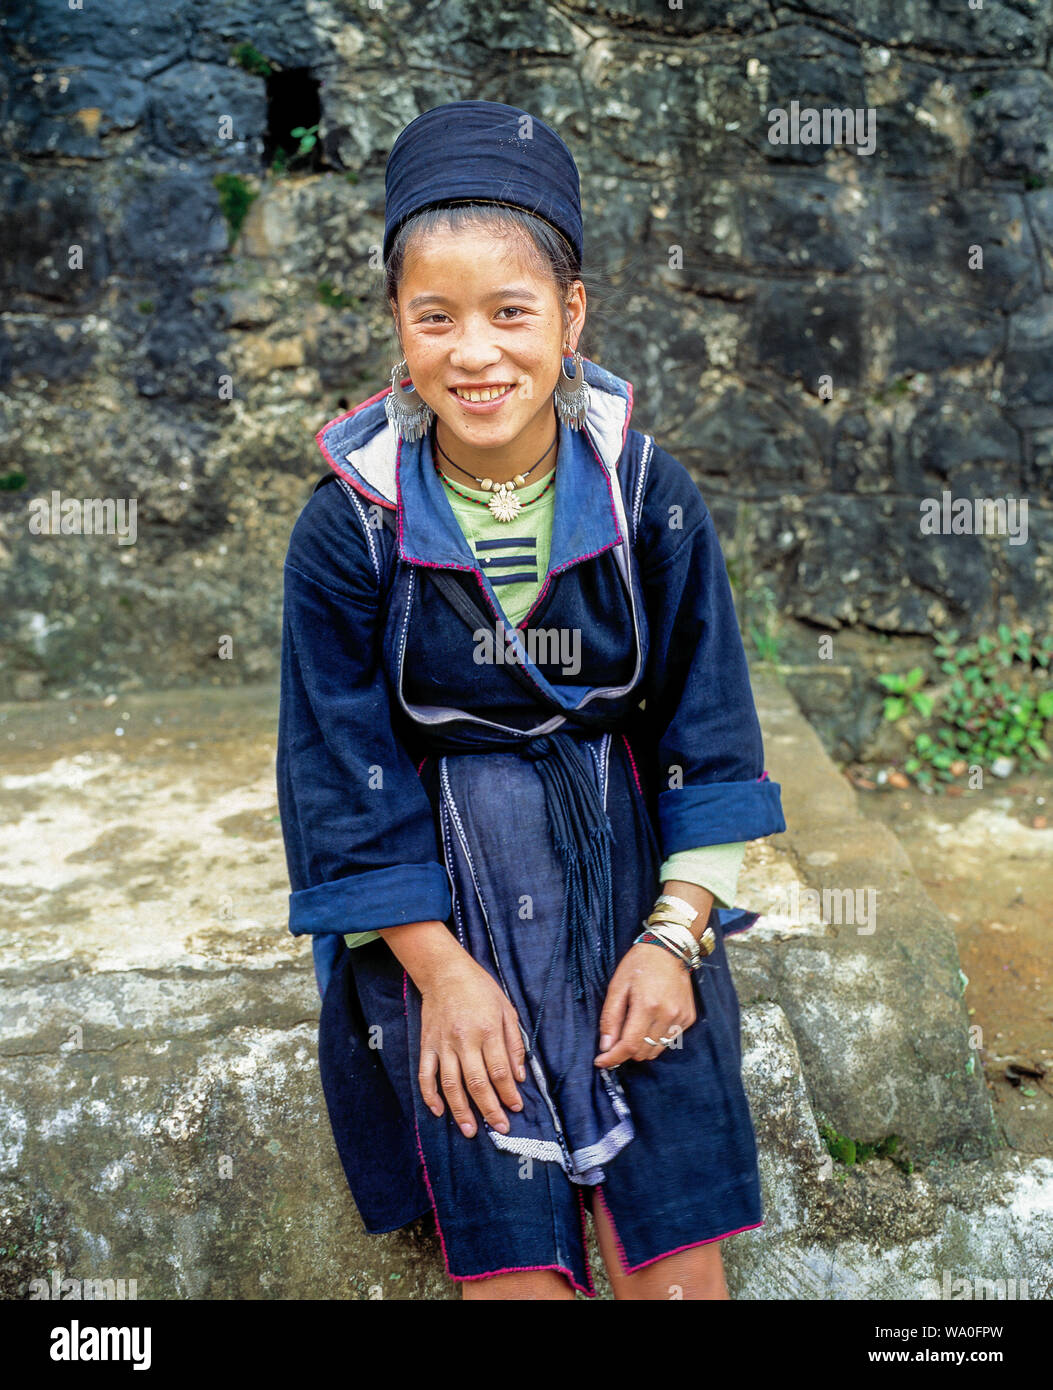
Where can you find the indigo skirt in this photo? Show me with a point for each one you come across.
(687, 1173)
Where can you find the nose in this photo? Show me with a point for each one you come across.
(474, 349)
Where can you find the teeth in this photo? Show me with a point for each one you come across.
(487, 395)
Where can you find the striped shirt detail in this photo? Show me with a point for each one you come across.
(488, 563)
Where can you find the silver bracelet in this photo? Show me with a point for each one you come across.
(681, 906)
(677, 937)
(650, 937)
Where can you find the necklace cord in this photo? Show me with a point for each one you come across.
(494, 487)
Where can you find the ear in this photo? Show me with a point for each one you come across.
(396, 322)
(574, 314)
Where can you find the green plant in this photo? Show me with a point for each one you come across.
(891, 390)
(763, 632)
(282, 161)
(249, 57)
(905, 691)
(848, 1151)
(235, 199)
(308, 138)
(333, 298)
(997, 705)
(11, 482)
(145, 306)
(755, 605)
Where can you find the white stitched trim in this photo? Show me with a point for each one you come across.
(447, 793)
(584, 1165)
(444, 822)
(353, 495)
(645, 459)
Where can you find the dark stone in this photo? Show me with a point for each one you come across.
(804, 326)
(192, 105)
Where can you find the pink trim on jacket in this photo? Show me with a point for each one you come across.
(691, 1245)
(510, 1269)
(355, 482)
(593, 553)
(632, 764)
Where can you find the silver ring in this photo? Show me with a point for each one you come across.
(651, 1041)
(662, 1042)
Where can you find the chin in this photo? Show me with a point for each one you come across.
(481, 429)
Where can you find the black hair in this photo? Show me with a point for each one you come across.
(552, 251)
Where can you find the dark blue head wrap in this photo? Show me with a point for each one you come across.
(483, 151)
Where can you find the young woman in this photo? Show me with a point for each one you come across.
(516, 721)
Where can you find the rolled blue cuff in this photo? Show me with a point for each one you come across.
(735, 919)
(717, 813)
(379, 898)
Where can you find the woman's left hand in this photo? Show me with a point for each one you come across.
(651, 994)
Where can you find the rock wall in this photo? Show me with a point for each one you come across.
(825, 335)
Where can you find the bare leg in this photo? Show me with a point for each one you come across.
(697, 1273)
(519, 1284)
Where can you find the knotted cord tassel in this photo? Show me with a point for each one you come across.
(581, 834)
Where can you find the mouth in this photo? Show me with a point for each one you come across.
(481, 399)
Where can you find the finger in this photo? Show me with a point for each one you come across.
(477, 1084)
(631, 1040)
(647, 1052)
(612, 1015)
(426, 1079)
(516, 1046)
(455, 1093)
(499, 1069)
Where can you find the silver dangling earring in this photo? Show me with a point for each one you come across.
(408, 415)
(572, 394)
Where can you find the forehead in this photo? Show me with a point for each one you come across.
(479, 251)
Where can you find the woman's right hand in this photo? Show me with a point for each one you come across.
(471, 1043)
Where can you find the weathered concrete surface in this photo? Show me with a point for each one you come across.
(872, 1231)
(874, 998)
(161, 1117)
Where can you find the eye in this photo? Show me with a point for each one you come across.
(511, 308)
(438, 314)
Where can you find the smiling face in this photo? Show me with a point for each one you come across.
(479, 313)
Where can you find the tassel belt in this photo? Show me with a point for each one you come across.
(582, 837)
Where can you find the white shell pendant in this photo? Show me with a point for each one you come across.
(504, 505)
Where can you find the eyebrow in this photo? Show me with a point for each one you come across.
(508, 292)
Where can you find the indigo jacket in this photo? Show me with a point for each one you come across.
(380, 676)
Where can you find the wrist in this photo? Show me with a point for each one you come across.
(701, 899)
(652, 940)
(429, 951)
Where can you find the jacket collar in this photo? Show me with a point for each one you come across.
(363, 448)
